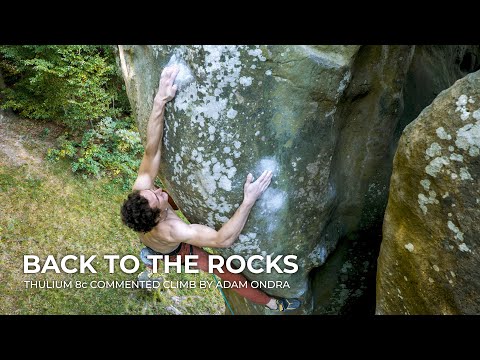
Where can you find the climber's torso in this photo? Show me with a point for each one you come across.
(160, 237)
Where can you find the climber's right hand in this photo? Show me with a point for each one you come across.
(253, 190)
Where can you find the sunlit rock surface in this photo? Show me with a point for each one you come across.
(325, 119)
(429, 261)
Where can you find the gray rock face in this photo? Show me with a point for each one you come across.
(250, 109)
(325, 119)
(429, 260)
(370, 126)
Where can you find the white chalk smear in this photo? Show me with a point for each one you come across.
(184, 76)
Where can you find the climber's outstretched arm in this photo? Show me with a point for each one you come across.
(204, 236)
(151, 158)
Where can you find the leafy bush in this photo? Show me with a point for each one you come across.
(74, 84)
(112, 148)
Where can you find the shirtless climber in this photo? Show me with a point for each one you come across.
(148, 211)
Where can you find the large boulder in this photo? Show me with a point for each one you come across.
(429, 261)
(325, 119)
(374, 115)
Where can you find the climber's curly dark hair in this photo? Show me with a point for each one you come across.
(137, 213)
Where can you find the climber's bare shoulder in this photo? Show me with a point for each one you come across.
(162, 237)
(172, 231)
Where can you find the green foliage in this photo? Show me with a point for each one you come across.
(83, 218)
(44, 133)
(112, 149)
(6, 181)
(71, 83)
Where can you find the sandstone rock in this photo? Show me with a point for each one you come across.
(370, 130)
(429, 261)
(325, 119)
(249, 109)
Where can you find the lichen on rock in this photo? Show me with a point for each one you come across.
(449, 233)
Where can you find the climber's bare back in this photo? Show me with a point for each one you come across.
(161, 238)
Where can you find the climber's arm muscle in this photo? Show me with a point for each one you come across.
(151, 158)
(148, 171)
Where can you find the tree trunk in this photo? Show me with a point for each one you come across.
(3, 86)
(2, 83)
